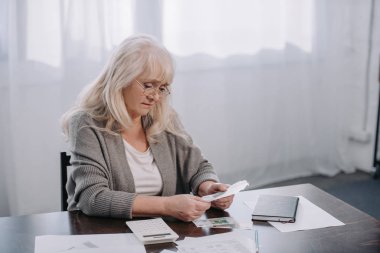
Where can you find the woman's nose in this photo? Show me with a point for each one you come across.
(155, 96)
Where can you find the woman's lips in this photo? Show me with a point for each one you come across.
(147, 104)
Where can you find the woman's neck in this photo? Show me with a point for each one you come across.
(135, 135)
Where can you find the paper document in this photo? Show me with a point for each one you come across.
(96, 243)
(233, 189)
(309, 216)
(232, 242)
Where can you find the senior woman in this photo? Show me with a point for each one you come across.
(130, 153)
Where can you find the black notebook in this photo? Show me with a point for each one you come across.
(275, 208)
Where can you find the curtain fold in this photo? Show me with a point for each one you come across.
(269, 90)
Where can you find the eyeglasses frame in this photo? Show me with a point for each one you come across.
(154, 90)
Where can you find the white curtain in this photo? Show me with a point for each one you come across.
(269, 89)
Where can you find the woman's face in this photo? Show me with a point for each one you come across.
(139, 102)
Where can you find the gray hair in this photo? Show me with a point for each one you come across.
(138, 55)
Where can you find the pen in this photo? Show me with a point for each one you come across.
(257, 241)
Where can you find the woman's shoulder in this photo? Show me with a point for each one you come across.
(80, 118)
(83, 119)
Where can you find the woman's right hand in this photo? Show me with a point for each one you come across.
(185, 207)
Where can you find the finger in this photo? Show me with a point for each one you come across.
(225, 199)
(199, 213)
(195, 215)
(220, 187)
(202, 202)
(224, 204)
(202, 206)
(198, 198)
(221, 207)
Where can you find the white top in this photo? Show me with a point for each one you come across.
(145, 172)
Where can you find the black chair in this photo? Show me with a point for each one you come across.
(65, 162)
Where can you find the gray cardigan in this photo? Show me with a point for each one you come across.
(102, 183)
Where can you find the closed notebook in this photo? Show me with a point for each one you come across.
(275, 208)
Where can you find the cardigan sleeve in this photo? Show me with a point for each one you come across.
(193, 166)
(90, 185)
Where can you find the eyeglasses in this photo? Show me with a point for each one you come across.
(150, 89)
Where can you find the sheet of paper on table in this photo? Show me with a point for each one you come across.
(95, 243)
(309, 216)
(236, 241)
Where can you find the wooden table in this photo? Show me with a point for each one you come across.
(360, 234)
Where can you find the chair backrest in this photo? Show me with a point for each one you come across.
(65, 162)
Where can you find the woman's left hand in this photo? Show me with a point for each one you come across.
(222, 203)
